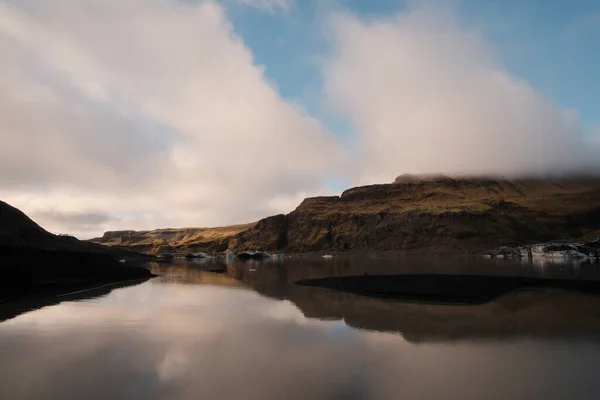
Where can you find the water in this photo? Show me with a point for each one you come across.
(249, 333)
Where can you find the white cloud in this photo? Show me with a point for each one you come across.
(151, 110)
(268, 5)
(426, 95)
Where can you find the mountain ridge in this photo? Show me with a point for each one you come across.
(414, 214)
(35, 262)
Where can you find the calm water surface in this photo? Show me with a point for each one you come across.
(250, 333)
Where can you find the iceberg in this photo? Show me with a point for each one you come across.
(550, 251)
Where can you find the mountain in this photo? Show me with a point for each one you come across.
(413, 214)
(35, 262)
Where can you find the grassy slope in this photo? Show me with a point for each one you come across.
(174, 240)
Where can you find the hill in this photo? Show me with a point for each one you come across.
(413, 214)
(35, 262)
(182, 240)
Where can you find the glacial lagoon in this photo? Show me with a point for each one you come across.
(206, 329)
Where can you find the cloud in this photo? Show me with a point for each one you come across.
(268, 5)
(80, 221)
(426, 94)
(152, 111)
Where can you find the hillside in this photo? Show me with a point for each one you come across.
(17, 230)
(35, 262)
(415, 214)
(174, 240)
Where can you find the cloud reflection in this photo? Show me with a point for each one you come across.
(163, 340)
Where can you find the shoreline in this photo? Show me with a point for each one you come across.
(33, 272)
(13, 308)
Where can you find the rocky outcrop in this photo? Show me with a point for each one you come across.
(267, 234)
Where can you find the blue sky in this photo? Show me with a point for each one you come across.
(552, 44)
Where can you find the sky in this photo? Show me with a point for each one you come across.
(143, 114)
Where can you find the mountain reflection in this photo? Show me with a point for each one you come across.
(13, 309)
(545, 313)
(192, 334)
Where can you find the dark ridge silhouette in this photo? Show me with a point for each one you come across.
(450, 289)
(34, 262)
(14, 309)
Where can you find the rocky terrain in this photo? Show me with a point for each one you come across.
(35, 262)
(411, 215)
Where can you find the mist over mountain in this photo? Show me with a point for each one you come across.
(428, 95)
